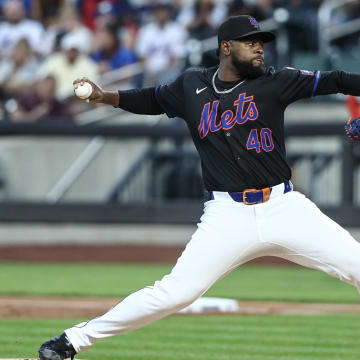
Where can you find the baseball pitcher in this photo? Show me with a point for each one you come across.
(235, 114)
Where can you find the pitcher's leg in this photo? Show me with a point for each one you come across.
(213, 251)
(310, 238)
(140, 308)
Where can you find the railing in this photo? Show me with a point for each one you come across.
(75, 170)
(160, 175)
(327, 31)
(121, 74)
(347, 213)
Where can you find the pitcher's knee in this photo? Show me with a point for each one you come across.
(176, 295)
(186, 296)
(354, 275)
(351, 272)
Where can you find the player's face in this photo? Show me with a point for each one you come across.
(247, 57)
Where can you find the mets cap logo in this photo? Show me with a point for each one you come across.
(253, 22)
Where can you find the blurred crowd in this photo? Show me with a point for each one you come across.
(45, 45)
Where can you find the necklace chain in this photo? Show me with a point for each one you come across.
(223, 91)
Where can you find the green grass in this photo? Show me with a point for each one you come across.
(330, 337)
(270, 337)
(118, 280)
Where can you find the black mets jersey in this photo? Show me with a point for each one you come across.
(239, 133)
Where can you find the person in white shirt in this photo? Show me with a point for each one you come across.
(161, 46)
(16, 27)
(202, 17)
(68, 21)
(18, 71)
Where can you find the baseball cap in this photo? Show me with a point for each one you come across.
(242, 26)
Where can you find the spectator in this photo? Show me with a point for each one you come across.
(239, 7)
(40, 104)
(16, 27)
(29, 6)
(46, 11)
(342, 15)
(2, 107)
(19, 70)
(264, 9)
(203, 18)
(161, 46)
(111, 54)
(261, 10)
(178, 6)
(69, 64)
(353, 107)
(67, 22)
(113, 13)
(90, 9)
(301, 26)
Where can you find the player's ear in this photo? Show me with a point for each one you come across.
(225, 47)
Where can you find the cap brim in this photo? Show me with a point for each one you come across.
(265, 36)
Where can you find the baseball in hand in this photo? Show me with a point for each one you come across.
(83, 91)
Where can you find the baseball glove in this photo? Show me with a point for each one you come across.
(352, 129)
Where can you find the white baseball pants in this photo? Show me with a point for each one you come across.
(229, 234)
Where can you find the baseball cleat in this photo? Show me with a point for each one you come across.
(58, 348)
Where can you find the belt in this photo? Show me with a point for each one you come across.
(253, 196)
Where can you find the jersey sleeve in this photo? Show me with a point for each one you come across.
(333, 82)
(296, 84)
(171, 97)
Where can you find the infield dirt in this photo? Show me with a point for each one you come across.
(52, 307)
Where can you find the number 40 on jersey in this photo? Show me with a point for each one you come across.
(260, 141)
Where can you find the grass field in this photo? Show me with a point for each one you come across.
(116, 280)
(205, 338)
(270, 337)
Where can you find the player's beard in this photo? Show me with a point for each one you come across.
(246, 69)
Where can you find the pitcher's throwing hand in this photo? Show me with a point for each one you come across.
(96, 93)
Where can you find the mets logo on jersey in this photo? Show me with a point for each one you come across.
(245, 110)
(253, 22)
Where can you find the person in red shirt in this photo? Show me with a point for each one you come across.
(353, 106)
